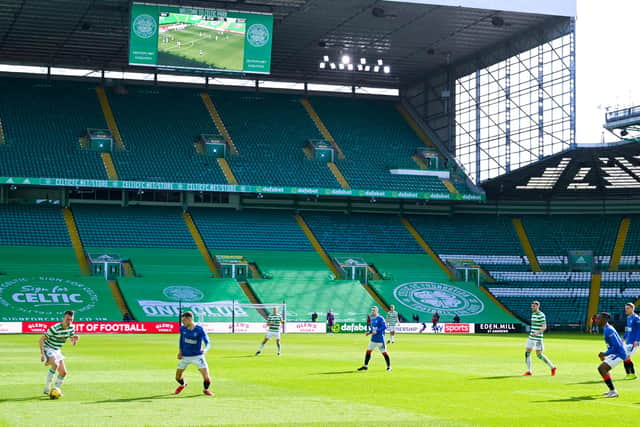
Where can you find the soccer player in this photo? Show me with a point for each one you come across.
(392, 321)
(615, 353)
(538, 326)
(191, 338)
(376, 331)
(631, 338)
(50, 344)
(273, 322)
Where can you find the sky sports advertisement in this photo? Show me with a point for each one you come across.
(195, 39)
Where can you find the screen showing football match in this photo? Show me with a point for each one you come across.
(200, 39)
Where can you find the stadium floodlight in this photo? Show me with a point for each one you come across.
(341, 66)
(323, 65)
(332, 66)
(363, 61)
(360, 67)
(367, 68)
(379, 61)
(346, 59)
(376, 69)
(350, 67)
(325, 58)
(386, 69)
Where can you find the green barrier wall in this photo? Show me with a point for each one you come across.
(157, 262)
(418, 286)
(157, 298)
(18, 260)
(303, 281)
(33, 297)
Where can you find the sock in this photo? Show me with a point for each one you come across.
(546, 360)
(261, 346)
(527, 358)
(180, 381)
(59, 381)
(206, 383)
(367, 357)
(392, 338)
(278, 348)
(608, 382)
(386, 358)
(50, 375)
(628, 367)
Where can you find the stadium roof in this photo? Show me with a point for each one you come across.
(412, 38)
(608, 171)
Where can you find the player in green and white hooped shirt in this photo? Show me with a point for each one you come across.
(50, 343)
(392, 321)
(538, 326)
(273, 322)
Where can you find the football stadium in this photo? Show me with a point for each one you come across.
(353, 212)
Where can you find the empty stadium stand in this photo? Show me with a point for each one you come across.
(159, 126)
(42, 123)
(563, 296)
(374, 138)
(270, 131)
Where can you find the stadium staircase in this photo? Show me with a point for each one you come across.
(594, 297)
(321, 127)
(452, 188)
(618, 248)
(118, 297)
(526, 244)
(339, 176)
(109, 166)
(217, 120)
(414, 126)
(425, 246)
(374, 139)
(2, 139)
(109, 117)
(317, 246)
(76, 242)
(202, 247)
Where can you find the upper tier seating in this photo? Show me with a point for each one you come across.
(42, 124)
(374, 138)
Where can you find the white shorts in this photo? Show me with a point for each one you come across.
(538, 345)
(612, 360)
(199, 361)
(391, 328)
(272, 334)
(377, 345)
(631, 350)
(56, 354)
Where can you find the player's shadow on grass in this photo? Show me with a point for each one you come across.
(499, 377)
(24, 399)
(568, 399)
(353, 371)
(586, 382)
(142, 398)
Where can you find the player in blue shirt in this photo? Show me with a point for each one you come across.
(614, 355)
(376, 331)
(631, 338)
(192, 337)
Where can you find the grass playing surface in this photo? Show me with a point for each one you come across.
(437, 380)
(225, 53)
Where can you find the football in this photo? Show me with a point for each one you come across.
(55, 393)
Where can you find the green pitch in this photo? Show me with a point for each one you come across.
(201, 48)
(437, 380)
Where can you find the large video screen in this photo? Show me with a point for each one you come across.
(200, 39)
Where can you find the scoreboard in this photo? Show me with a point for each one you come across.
(199, 39)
